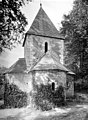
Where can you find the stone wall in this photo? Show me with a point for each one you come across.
(60, 78)
(23, 81)
(27, 82)
(35, 47)
(43, 77)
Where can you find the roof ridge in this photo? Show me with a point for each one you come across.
(37, 61)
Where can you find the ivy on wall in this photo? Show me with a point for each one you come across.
(14, 97)
(45, 98)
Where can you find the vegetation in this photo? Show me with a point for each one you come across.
(75, 30)
(14, 97)
(13, 22)
(2, 70)
(45, 98)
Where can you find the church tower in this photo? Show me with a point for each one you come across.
(41, 38)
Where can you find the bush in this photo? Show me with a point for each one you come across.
(45, 105)
(13, 97)
(46, 99)
(81, 85)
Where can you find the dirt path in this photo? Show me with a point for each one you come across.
(78, 112)
(74, 114)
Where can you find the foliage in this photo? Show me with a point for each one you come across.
(81, 85)
(12, 24)
(2, 78)
(75, 30)
(13, 97)
(2, 70)
(45, 98)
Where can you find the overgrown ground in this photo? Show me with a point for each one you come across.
(76, 110)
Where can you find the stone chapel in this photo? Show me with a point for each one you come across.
(43, 51)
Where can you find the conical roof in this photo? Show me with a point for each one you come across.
(42, 26)
(48, 62)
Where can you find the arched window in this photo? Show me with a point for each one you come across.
(46, 47)
(53, 86)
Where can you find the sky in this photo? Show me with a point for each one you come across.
(55, 9)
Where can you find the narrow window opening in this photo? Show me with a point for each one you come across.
(46, 47)
(53, 86)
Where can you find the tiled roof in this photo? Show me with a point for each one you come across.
(42, 26)
(18, 67)
(48, 62)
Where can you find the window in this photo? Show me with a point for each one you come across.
(46, 47)
(53, 86)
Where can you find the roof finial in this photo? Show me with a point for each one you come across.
(40, 4)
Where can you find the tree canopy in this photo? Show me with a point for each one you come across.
(75, 29)
(12, 23)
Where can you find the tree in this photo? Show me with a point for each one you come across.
(75, 30)
(12, 24)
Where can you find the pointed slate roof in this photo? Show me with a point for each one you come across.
(42, 26)
(18, 67)
(48, 62)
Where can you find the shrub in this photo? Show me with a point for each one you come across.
(46, 99)
(13, 97)
(81, 85)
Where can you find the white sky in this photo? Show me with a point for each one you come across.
(55, 9)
